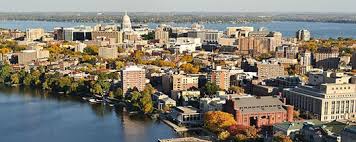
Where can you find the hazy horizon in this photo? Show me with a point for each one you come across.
(276, 6)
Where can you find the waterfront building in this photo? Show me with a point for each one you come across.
(303, 35)
(34, 34)
(133, 77)
(327, 102)
(259, 111)
(189, 116)
(221, 77)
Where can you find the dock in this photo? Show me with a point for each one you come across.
(174, 126)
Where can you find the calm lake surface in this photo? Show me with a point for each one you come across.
(288, 29)
(28, 115)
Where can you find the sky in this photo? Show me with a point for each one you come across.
(178, 5)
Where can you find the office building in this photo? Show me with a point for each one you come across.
(327, 102)
(115, 36)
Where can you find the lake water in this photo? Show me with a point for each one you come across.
(28, 115)
(288, 29)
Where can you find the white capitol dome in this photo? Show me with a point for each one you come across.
(126, 23)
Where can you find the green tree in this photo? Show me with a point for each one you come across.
(97, 89)
(146, 103)
(118, 93)
(119, 65)
(237, 89)
(211, 88)
(149, 36)
(91, 50)
(27, 80)
(5, 73)
(15, 79)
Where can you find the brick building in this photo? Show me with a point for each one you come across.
(259, 111)
(220, 77)
(132, 77)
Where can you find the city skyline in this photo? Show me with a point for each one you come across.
(178, 6)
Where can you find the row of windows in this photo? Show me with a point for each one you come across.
(337, 88)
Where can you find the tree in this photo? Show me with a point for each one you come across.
(118, 93)
(187, 58)
(27, 80)
(5, 73)
(218, 121)
(149, 36)
(281, 138)
(211, 88)
(35, 76)
(146, 103)
(237, 89)
(149, 89)
(119, 65)
(15, 79)
(189, 68)
(91, 50)
(64, 83)
(240, 138)
(251, 132)
(97, 89)
(224, 135)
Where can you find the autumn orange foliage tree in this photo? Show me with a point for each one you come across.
(218, 121)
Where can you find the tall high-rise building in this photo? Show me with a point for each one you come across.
(34, 34)
(220, 77)
(133, 77)
(303, 35)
